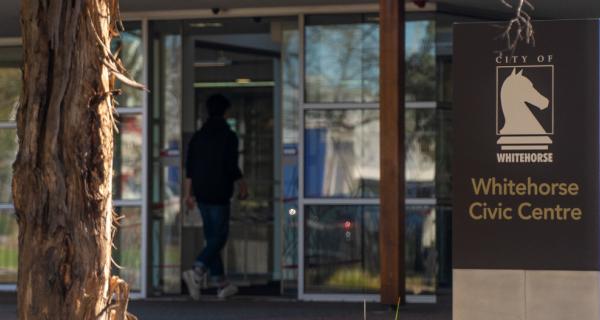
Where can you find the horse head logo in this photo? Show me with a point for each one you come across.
(515, 92)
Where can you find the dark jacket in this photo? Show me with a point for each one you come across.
(212, 162)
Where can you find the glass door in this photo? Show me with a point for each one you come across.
(165, 124)
(254, 62)
(239, 59)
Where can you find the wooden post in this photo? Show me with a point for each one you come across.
(391, 230)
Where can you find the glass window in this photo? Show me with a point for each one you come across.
(127, 163)
(169, 216)
(444, 81)
(341, 153)
(10, 81)
(443, 221)
(130, 49)
(342, 249)
(420, 61)
(128, 243)
(289, 90)
(342, 58)
(289, 159)
(443, 177)
(10, 89)
(166, 256)
(420, 142)
(9, 246)
(170, 95)
(8, 153)
(421, 256)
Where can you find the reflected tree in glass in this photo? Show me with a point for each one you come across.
(10, 90)
(420, 145)
(420, 61)
(342, 62)
(130, 51)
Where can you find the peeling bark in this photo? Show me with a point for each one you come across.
(63, 172)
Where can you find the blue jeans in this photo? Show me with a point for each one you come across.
(215, 220)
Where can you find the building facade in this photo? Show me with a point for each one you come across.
(304, 82)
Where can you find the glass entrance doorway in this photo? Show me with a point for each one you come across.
(244, 59)
(245, 76)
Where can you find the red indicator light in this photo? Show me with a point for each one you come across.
(347, 225)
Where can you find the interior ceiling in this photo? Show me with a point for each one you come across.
(9, 9)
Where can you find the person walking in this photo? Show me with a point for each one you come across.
(211, 172)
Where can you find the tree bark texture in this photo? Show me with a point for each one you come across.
(63, 172)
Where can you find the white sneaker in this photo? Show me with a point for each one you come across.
(193, 283)
(227, 291)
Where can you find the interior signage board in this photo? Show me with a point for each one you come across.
(525, 164)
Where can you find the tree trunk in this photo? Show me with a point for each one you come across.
(63, 172)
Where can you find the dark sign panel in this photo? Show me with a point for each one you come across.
(526, 148)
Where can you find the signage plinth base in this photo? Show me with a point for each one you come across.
(525, 294)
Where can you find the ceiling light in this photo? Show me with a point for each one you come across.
(222, 61)
(243, 80)
(210, 64)
(206, 25)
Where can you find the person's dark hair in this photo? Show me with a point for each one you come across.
(216, 105)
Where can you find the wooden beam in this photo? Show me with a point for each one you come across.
(391, 79)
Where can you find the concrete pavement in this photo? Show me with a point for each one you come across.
(261, 308)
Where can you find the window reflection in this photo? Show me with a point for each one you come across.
(169, 219)
(420, 61)
(127, 162)
(130, 49)
(10, 89)
(289, 159)
(443, 169)
(443, 231)
(420, 153)
(166, 224)
(290, 84)
(420, 249)
(166, 44)
(341, 153)
(342, 249)
(9, 246)
(8, 153)
(128, 242)
(170, 95)
(342, 58)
